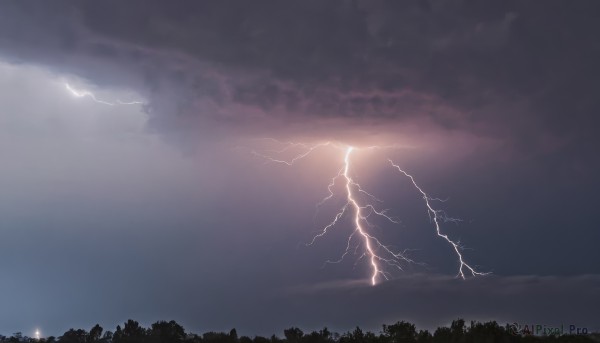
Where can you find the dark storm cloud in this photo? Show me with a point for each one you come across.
(522, 74)
(495, 68)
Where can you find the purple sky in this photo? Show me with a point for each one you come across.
(161, 211)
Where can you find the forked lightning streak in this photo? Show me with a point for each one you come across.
(379, 255)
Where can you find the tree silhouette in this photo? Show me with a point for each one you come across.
(74, 336)
(16, 337)
(259, 339)
(95, 333)
(167, 332)
(358, 336)
(400, 332)
(457, 330)
(486, 332)
(293, 334)
(322, 336)
(424, 337)
(217, 337)
(442, 335)
(107, 337)
(132, 332)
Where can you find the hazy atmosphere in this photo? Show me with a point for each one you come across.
(139, 149)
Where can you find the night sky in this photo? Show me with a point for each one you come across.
(163, 210)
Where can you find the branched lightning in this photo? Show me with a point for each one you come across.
(86, 93)
(377, 254)
(436, 216)
(309, 149)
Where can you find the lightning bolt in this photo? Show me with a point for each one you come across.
(85, 93)
(436, 215)
(374, 250)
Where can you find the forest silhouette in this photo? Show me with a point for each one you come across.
(400, 332)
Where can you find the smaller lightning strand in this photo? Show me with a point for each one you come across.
(85, 93)
(309, 149)
(436, 216)
(81, 94)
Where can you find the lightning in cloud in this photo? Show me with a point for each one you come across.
(86, 93)
(361, 205)
(288, 146)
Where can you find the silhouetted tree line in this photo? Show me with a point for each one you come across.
(401, 332)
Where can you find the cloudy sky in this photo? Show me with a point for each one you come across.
(161, 208)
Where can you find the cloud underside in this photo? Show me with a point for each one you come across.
(314, 67)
